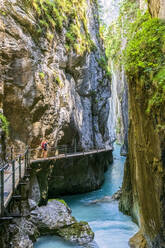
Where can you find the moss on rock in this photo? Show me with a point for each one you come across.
(79, 232)
(59, 200)
(68, 16)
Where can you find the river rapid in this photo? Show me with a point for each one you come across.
(112, 229)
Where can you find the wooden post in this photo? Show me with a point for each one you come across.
(19, 167)
(13, 176)
(2, 192)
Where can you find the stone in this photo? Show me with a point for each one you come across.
(79, 233)
(51, 217)
(55, 218)
(138, 241)
(115, 197)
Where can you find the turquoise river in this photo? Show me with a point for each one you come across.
(112, 229)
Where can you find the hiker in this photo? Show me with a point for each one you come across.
(44, 146)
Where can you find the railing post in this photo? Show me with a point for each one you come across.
(25, 161)
(2, 192)
(19, 167)
(11, 155)
(75, 146)
(13, 176)
(27, 156)
(65, 150)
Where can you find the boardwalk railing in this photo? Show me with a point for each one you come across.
(12, 173)
(10, 176)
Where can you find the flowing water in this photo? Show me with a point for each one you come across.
(112, 229)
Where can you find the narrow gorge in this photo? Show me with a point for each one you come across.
(81, 75)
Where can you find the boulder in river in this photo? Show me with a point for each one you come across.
(114, 197)
(53, 219)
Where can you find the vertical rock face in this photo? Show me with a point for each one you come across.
(53, 87)
(88, 174)
(2, 144)
(67, 176)
(157, 8)
(50, 89)
(118, 116)
(143, 186)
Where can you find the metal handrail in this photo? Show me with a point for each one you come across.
(15, 176)
(23, 161)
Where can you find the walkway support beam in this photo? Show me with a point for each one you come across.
(2, 192)
(13, 176)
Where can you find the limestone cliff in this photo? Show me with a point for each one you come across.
(157, 8)
(143, 186)
(52, 83)
(118, 117)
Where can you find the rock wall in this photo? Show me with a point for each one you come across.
(53, 87)
(78, 175)
(50, 89)
(143, 185)
(2, 145)
(118, 117)
(157, 8)
(68, 176)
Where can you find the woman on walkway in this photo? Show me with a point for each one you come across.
(44, 147)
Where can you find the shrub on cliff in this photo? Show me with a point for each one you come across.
(144, 57)
(68, 15)
(5, 124)
(138, 41)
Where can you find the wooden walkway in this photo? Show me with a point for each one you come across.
(69, 155)
(13, 173)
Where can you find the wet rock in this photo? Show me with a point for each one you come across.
(114, 197)
(23, 233)
(138, 241)
(79, 232)
(55, 218)
(51, 217)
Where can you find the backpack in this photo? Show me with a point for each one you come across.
(44, 145)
